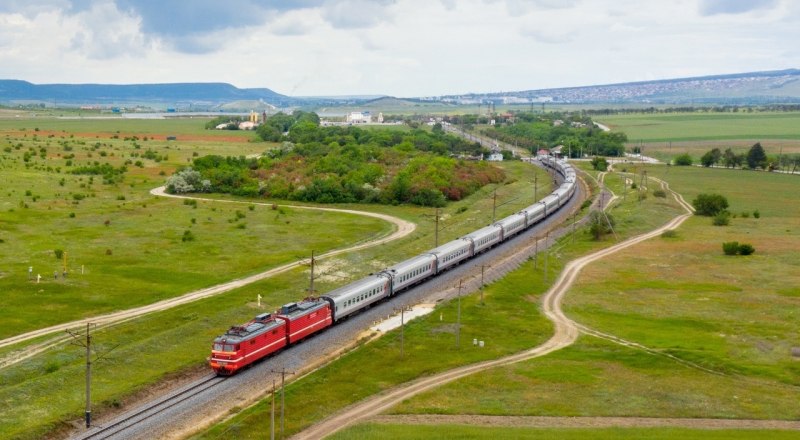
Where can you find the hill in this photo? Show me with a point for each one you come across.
(778, 86)
(181, 94)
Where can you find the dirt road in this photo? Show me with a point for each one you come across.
(404, 228)
(566, 332)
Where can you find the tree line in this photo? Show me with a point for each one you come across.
(755, 158)
(345, 164)
(576, 132)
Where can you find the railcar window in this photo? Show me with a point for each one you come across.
(228, 347)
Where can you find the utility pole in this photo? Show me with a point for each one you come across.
(79, 340)
(272, 414)
(283, 393)
(436, 234)
(536, 253)
(483, 266)
(402, 330)
(574, 218)
(88, 412)
(458, 318)
(535, 187)
(546, 255)
(494, 204)
(311, 280)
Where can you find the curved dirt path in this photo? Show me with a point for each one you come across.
(404, 228)
(566, 332)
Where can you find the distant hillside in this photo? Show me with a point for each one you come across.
(779, 86)
(182, 94)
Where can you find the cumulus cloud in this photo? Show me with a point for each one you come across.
(714, 7)
(354, 14)
(106, 32)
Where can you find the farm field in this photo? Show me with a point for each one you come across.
(429, 342)
(667, 135)
(173, 343)
(719, 329)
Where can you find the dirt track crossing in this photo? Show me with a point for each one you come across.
(404, 228)
(566, 332)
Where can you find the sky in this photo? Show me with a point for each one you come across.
(404, 48)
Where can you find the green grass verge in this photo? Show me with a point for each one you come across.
(369, 431)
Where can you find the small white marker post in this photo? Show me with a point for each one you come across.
(259, 300)
(38, 278)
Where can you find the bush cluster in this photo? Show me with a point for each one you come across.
(734, 248)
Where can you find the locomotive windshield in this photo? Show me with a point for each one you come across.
(224, 347)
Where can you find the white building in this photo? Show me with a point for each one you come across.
(359, 118)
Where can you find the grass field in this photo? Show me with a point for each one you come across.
(123, 246)
(148, 259)
(667, 127)
(508, 322)
(406, 432)
(665, 136)
(734, 316)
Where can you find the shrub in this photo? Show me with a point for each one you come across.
(746, 249)
(723, 218)
(59, 253)
(669, 233)
(461, 209)
(756, 214)
(745, 214)
(599, 163)
(187, 236)
(585, 204)
(71, 215)
(709, 204)
(683, 160)
(730, 247)
(660, 193)
(600, 224)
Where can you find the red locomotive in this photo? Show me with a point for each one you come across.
(267, 333)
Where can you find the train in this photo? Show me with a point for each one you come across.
(268, 333)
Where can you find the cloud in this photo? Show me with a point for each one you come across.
(105, 32)
(714, 7)
(355, 14)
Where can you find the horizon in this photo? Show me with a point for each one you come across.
(405, 49)
(384, 95)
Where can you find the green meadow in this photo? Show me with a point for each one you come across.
(665, 127)
(719, 329)
(370, 431)
(509, 321)
(129, 246)
(122, 247)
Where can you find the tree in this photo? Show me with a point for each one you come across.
(709, 204)
(599, 163)
(683, 160)
(711, 158)
(757, 157)
(600, 224)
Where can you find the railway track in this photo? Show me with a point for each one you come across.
(117, 428)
